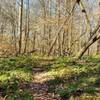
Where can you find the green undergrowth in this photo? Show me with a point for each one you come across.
(82, 76)
(15, 89)
(20, 66)
(65, 78)
(14, 74)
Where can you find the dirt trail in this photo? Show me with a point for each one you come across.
(39, 86)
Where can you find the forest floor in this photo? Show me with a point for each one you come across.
(39, 78)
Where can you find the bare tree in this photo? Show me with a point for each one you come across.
(20, 25)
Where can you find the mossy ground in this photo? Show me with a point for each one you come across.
(23, 76)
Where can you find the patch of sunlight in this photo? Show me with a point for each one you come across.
(88, 79)
(83, 84)
(86, 96)
(79, 70)
(65, 71)
(21, 74)
(4, 77)
(55, 73)
(17, 73)
(97, 56)
(92, 79)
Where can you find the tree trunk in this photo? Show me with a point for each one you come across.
(21, 15)
(98, 46)
(85, 48)
(27, 27)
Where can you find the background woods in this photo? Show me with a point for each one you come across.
(49, 27)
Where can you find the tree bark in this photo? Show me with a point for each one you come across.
(21, 15)
(91, 41)
(27, 26)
